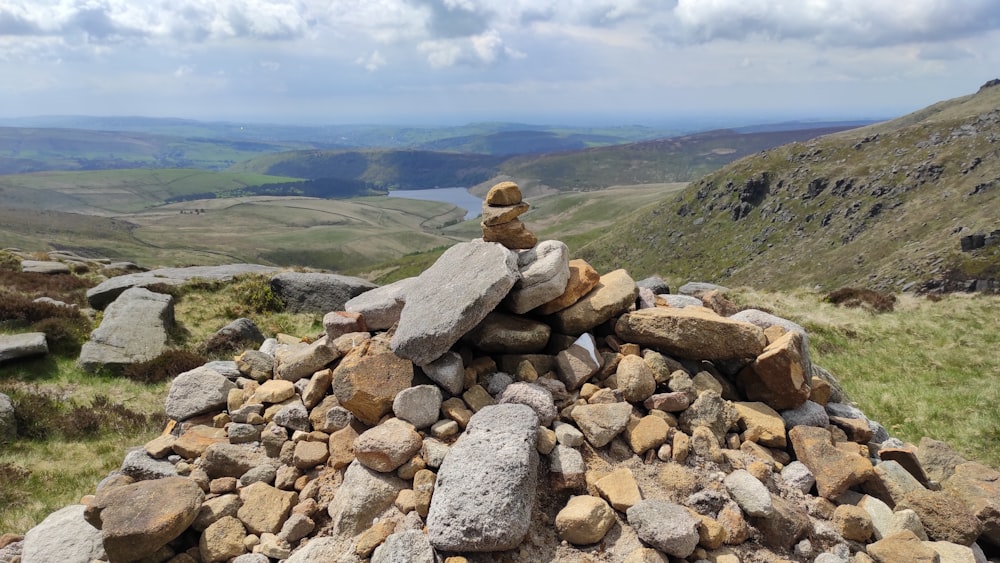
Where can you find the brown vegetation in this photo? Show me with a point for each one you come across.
(861, 297)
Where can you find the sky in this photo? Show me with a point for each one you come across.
(581, 62)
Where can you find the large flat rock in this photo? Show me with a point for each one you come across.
(314, 292)
(486, 485)
(13, 346)
(692, 333)
(107, 291)
(134, 329)
(451, 297)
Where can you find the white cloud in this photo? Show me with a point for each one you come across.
(372, 61)
(834, 22)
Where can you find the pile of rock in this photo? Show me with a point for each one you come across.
(501, 209)
(516, 406)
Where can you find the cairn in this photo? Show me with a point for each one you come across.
(500, 224)
(509, 404)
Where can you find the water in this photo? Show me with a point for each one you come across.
(459, 197)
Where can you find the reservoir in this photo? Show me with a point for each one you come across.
(459, 197)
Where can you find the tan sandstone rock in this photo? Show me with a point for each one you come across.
(691, 333)
(615, 292)
(584, 520)
(835, 470)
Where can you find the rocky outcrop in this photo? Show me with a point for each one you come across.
(101, 295)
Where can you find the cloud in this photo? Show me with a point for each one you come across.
(371, 62)
(833, 22)
(486, 48)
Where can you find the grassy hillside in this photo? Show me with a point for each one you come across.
(882, 206)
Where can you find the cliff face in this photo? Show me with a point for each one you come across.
(883, 206)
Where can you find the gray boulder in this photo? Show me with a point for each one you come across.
(544, 272)
(44, 267)
(107, 291)
(314, 292)
(681, 301)
(363, 496)
(748, 492)
(14, 346)
(140, 466)
(806, 414)
(697, 289)
(134, 329)
(495, 460)
(236, 336)
(63, 536)
(198, 391)
(656, 284)
(666, 526)
(410, 546)
(8, 424)
(535, 396)
(419, 405)
(448, 371)
(451, 297)
(380, 307)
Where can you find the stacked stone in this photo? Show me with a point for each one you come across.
(702, 436)
(501, 209)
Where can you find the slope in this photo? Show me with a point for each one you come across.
(883, 206)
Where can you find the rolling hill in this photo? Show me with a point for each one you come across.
(673, 159)
(384, 168)
(26, 149)
(883, 206)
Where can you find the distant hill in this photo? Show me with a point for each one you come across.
(388, 169)
(498, 138)
(24, 150)
(674, 159)
(882, 206)
(123, 191)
